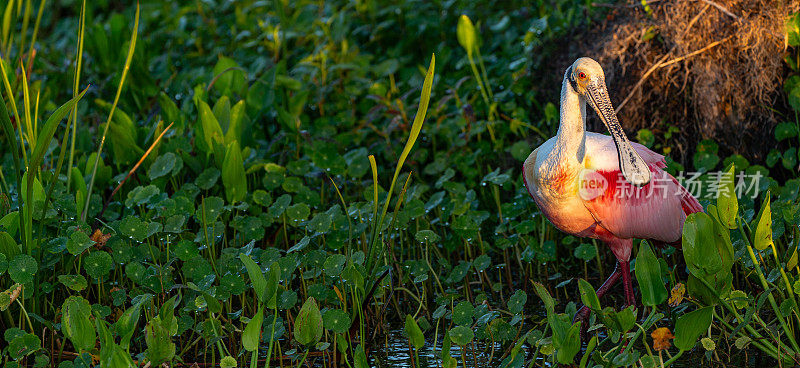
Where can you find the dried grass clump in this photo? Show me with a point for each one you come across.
(712, 68)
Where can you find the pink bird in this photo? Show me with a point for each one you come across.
(604, 187)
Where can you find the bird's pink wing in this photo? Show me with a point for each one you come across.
(654, 211)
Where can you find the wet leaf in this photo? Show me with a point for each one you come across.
(414, 333)
(22, 269)
(336, 320)
(690, 326)
(461, 335)
(648, 275)
(308, 324)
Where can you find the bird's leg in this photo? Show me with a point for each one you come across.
(583, 312)
(630, 298)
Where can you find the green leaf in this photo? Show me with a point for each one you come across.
(207, 178)
(461, 335)
(334, 264)
(621, 321)
(273, 278)
(548, 301)
(762, 238)
(229, 76)
(792, 27)
(162, 166)
(698, 237)
(98, 264)
(211, 130)
(462, 313)
(427, 236)
(308, 324)
(8, 245)
(648, 274)
(589, 296)
(233, 175)
(727, 204)
(252, 332)
(74, 282)
(336, 320)
(22, 268)
(227, 362)
(256, 277)
(238, 123)
(516, 303)
(360, 358)
(126, 324)
(585, 252)
(414, 333)
(24, 345)
(133, 227)
(78, 242)
(75, 323)
(46, 133)
(785, 130)
(690, 326)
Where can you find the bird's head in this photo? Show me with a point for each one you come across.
(587, 79)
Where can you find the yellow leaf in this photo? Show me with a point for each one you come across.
(661, 337)
(676, 295)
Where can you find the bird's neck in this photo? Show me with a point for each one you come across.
(571, 136)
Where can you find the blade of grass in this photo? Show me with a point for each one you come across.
(8, 130)
(36, 33)
(416, 127)
(349, 221)
(76, 82)
(13, 102)
(128, 60)
(37, 157)
(26, 105)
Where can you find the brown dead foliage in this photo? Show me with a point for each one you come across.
(716, 69)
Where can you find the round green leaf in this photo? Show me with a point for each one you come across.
(207, 178)
(22, 268)
(462, 313)
(74, 282)
(461, 335)
(336, 320)
(262, 198)
(334, 264)
(585, 252)
(78, 242)
(162, 165)
(98, 264)
(517, 302)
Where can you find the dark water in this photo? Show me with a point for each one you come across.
(394, 352)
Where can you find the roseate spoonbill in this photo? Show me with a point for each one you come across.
(604, 187)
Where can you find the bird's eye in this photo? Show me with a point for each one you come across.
(581, 75)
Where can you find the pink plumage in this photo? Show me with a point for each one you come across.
(604, 187)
